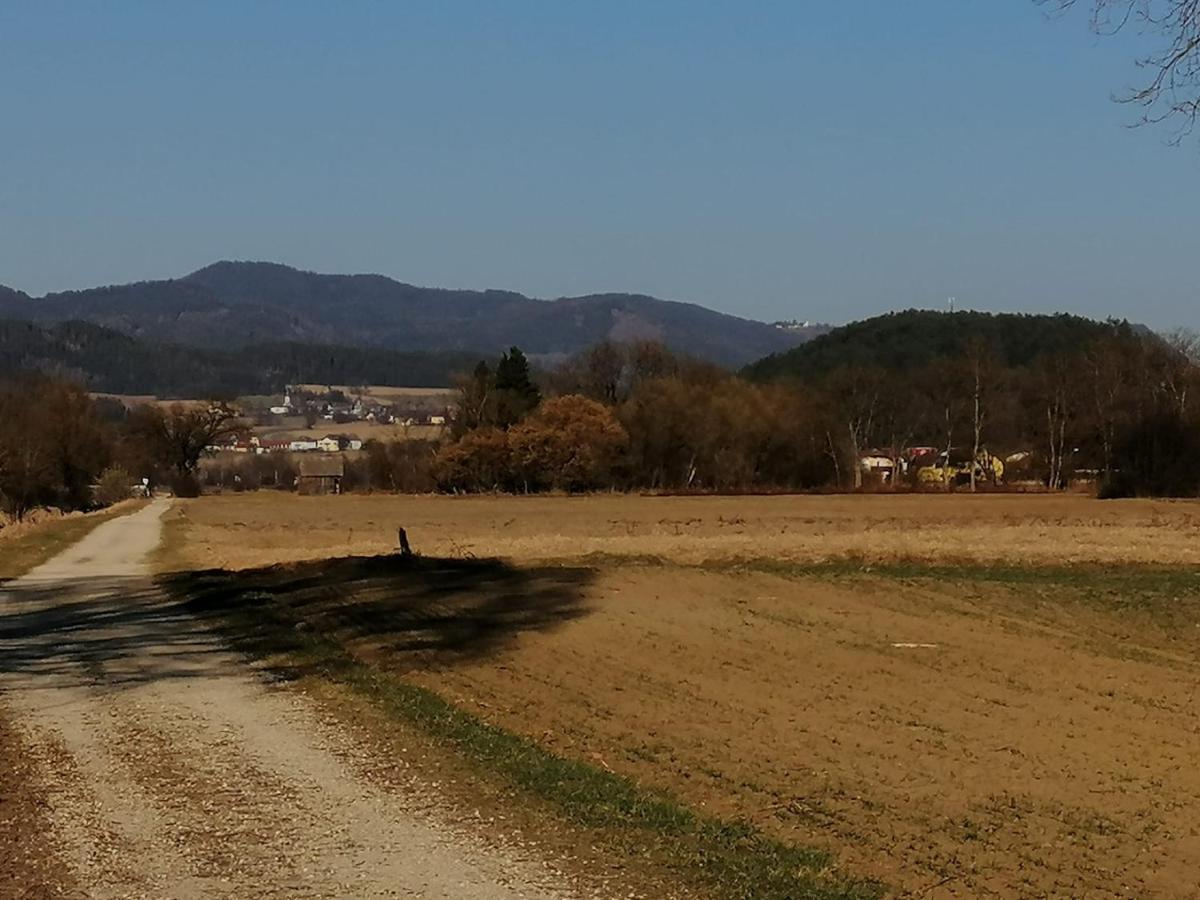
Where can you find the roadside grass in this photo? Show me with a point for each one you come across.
(45, 540)
(723, 858)
(1122, 585)
(1126, 582)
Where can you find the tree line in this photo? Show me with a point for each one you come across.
(62, 448)
(1120, 409)
(106, 360)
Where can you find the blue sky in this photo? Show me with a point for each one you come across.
(823, 161)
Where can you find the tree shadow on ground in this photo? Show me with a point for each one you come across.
(400, 612)
(100, 631)
(404, 612)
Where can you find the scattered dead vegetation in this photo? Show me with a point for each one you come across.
(30, 866)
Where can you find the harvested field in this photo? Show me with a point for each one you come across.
(383, 393)
(957, 735)
(996, 724)
(238, 531)
(292, 428)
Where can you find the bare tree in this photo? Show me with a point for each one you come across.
(54, 448)
(1055, 377)
(475, 407)
(981, 369)
(853, 394)
(1172, 92)
(177, 437)
(1177, 360)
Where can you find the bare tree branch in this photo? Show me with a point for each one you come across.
(1172, 94)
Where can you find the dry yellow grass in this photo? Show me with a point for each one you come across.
(247, 530)
(386, 394)
(293, 429)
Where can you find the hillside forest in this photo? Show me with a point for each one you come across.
(105, 360)
(1062, 400)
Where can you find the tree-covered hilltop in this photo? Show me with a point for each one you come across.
(105, 360)
(911, 340)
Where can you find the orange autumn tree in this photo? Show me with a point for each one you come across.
(569, 443)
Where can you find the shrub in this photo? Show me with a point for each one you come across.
(113, 487)
(185, 485)
(404, 466)
(480, 461)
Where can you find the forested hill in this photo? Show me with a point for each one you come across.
(106, 360)
(231, 304)
(907, 341)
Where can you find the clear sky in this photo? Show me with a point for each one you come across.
(822, 161)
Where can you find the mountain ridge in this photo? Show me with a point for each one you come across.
(236, 303)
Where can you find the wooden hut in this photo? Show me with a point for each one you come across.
(320, 475)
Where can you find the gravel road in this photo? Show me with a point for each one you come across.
(171, 769)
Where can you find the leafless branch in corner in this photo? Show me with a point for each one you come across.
(1172, 93)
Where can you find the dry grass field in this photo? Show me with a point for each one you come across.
(995, 698)
(238, 531)
(293, 428)
(386, 394)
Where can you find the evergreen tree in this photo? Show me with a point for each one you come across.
(516, 394)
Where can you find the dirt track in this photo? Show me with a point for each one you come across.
(169, 769)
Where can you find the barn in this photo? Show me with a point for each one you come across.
(320, 475)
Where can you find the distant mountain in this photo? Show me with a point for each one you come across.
(106, 360)
(231, 304)
(909, 340)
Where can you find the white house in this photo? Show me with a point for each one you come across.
(302, 446)
(329, 444)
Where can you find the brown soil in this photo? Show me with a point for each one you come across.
(1031, 751)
